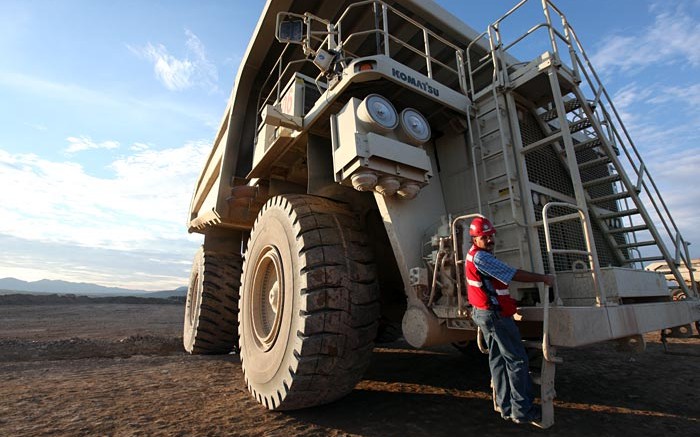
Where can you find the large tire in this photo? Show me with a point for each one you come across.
(211, 311)
(309, 303)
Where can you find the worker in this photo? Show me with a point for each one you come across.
(492, 311)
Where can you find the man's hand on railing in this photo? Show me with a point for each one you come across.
(550, 280)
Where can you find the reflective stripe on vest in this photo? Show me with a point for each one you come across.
(474, 283)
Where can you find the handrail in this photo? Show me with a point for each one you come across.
(384, 31)
(593, 265)
(438, 262)
(277, 87)
(385, 36)
(276, 66)
(653, 193)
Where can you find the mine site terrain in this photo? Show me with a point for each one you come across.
(118, 369)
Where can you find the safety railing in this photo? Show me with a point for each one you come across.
(442, 60)
(431, 42)
(590, 253)
(281, 73)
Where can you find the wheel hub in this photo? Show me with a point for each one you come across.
(274, 297)
(267, 298)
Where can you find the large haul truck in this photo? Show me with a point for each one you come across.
(360, 139)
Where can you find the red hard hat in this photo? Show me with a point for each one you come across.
(481, 226)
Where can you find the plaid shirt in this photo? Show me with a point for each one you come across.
(491, 266)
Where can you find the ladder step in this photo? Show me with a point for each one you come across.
(506, 250)
(594, 163)
(494, 177)
(533, 344)
(492, 155)
(491, 132)
(594, 142)
(645, 259)
(503, 199)
(589, 144)
(628, 229)
(616, 214)
(600, 181)
(637, 244)
(579, 125)
(611, 197)
(488, 111)
(569, 106)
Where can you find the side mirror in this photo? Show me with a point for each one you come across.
(290, 28)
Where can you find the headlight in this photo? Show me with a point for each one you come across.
(378, 113)
(415, 128)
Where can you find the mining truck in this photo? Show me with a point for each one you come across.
(360, 140)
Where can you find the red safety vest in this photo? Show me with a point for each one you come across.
(476, 291)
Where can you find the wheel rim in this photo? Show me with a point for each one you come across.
(267, 298)
(194, 299)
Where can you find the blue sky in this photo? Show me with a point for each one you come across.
(108, 110)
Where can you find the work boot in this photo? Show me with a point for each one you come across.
(534, 417)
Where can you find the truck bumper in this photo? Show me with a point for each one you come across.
(580, 326)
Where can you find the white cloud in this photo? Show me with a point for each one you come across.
(179, 74)
(630, 95)
(137, 147)
(673, 38)
(207, 68)
(101, 100)
(146, 269)
(680, 167)
(669, 146)
(36, 126)
(675, 173)
(174, 73)
(78, 144)
(645, 109)
(146, 200)
(678, 95)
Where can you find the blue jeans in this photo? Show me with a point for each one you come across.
(508, 363)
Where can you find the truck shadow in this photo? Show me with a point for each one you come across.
(441, 392)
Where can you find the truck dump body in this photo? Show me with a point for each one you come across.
(360, 139)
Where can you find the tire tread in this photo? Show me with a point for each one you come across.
(215, 330)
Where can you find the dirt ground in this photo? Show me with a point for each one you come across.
(118, 369)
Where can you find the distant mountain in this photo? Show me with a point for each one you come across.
(81, 288)
(179, 291)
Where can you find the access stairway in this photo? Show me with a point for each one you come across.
(607, 176)
(555, 110)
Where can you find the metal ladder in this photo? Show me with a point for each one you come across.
(497, 181)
